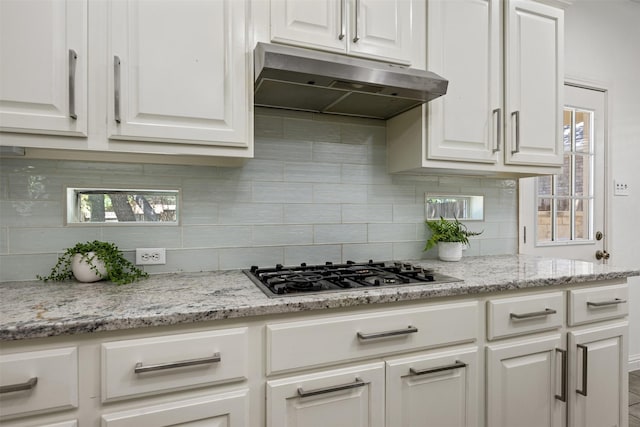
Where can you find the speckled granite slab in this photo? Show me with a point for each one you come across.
(37, 309)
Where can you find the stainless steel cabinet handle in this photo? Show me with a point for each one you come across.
(545, 312)
(585, 353)
(73, 58)
(498, 130)
(357, 383)
(517, 114)
(139, 368)
(606, 303)
(563, 386)
(356, 37)
(458, 364)
(27, 385)
(342, 28)
(116, 88)
(386, 334)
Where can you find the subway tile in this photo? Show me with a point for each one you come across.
(4, 248)
(339, 193)
(317, 254)
(391, 194)
(311, 130)
(244, 258)
(26, 266)
(40, 240)
(155, 171)
(412, 250)
(363, 133)
(130, 237)
(214, 190)
(409, 213)
(216, 236)
(196, 212)
(316, 213)
(187, 260)
(100, 167)
(269, 126)
(367, 213)
(340, 233)
(391, 232)
(367, 251)
(277, 149)
(364, 174)
(337, 152)
(255, 169)
(270, 235)
(350, 121)
(282, 192)
(496, 246)
(31, 213)
(312, 172)
(250, 213)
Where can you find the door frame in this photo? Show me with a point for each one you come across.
(605, 89)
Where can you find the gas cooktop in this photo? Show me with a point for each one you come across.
(280, 281)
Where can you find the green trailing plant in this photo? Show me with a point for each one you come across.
(444, 230)
(118, 269)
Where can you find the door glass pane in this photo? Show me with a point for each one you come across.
(583, 131)
(568, 130)
(544, 219)
(563, 180)
(563, 219)
(582, 183)
(583, 213)
(544, 185)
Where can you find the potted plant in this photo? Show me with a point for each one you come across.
(450, 236)
(93, 261)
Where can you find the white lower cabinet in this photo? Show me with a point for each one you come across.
(439, 389)
(598, 377)
(348, 397)
(522, 383)
(225, 410)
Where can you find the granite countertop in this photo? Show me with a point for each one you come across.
(37, 309)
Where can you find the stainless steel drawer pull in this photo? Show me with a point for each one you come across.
(116, 88)
(498, 130)
(140, 368)
(458, 364)
(563, 386)
(585, 354)
(342, 29)
(545, 312)
(357, 383)
(517, 149)
(386, 334)
(356, 37)
(28, 385)
(73, 58)
(606, 303)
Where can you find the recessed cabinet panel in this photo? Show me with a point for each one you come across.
(43, 66)
(178, 72)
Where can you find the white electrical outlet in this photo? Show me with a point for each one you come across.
(151, 256)
(620, 188)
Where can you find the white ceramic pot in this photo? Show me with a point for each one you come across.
(450, 251)
(83, 272)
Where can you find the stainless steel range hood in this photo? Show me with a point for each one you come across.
(302, 79)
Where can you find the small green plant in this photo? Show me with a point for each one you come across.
(118, 269)
(444, 230)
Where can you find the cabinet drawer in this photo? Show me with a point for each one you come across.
(159, 364)
(323, 341)
(523, 315)
(43, 381)
(594, 304)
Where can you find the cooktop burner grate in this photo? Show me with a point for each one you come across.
(281, 280)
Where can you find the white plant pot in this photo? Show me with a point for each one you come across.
(450, 251)
(83, 272)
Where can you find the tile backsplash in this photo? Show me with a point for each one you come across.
(317, 190)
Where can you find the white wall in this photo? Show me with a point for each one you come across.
(603, 45)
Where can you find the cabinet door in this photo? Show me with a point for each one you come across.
(465, 124)
(523, 379)
(318, 24)
(228, 410)
(43, 66)
(179, 72)
(350, 397)
(534, 74)
(598, 383)
(438, 389)
(381, 29)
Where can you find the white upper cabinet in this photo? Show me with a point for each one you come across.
(503, 108)
(179, 72)
(534, 48)
(377, 29)
(43, 66)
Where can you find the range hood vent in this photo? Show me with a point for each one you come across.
(302, 79)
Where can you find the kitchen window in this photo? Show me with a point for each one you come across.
(122, 206)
